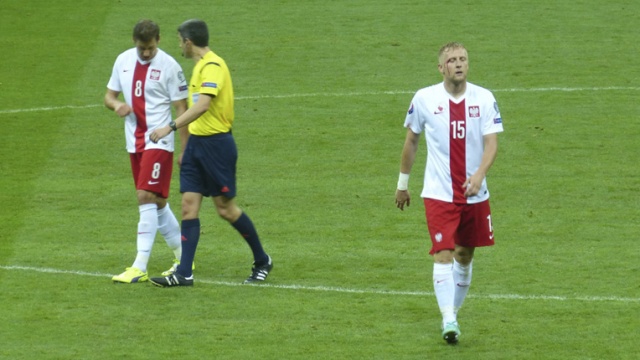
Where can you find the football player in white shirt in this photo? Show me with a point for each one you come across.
(460, 121)
(151, 81)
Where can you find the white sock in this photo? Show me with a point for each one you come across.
(169, 228)
(444, 288)
(462, 279)
(147, 228)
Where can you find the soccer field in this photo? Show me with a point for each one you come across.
(322, 88)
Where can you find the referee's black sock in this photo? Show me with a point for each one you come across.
(190, 236)
(245, 227)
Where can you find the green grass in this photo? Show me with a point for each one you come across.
(322, 88)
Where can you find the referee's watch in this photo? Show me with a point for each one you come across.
(173, 126)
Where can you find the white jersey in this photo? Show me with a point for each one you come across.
(454, 130)
(149, 88)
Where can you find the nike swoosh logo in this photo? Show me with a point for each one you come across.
(440, 281)
(154, 182)
(125, 70)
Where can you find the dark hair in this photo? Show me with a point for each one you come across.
(196, 31)
(146, 30)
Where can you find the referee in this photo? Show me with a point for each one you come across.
(209, 156)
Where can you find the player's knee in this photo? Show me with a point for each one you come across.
(146, 197)
(224, 213)
(188, 214)
(189, 209)
(464, 255)
(229, 213)
(443, 257)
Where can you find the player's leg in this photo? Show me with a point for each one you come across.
(160, 184)
(192, 187)
(154, 179)
(444, 284)
(146, 228)
(475, 230)
(190, 231)
(221, 185)
(442, 221)
(462, 271)
(229, 210)
(169, 228)
(190, 236)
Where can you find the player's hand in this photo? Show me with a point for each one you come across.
(158, 134)
(402, 198)
(122, 109)
(471, 186)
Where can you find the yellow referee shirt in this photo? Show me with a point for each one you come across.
(211, 76)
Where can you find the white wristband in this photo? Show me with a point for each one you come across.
(403, 181)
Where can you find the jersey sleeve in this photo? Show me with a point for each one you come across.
(177, 84)
(212, 78)
(114, 81)
(492, 123)
(414, 120)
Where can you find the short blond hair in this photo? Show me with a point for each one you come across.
(449, 46)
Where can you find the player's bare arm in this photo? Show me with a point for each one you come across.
(409, 151)
(180, 107)
(111, 102)
(473, 183)
(185, 119)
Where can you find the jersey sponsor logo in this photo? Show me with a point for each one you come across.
(497, 121)
(183, 88)
(474, 111)
(155, 74)
(410, 111)
(209, 85)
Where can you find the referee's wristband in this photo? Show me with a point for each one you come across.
(403, 181)
(173, 126)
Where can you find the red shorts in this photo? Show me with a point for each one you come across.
(451, 224)
(152, 171)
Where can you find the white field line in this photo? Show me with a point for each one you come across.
(349, 290)
(347, 94)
